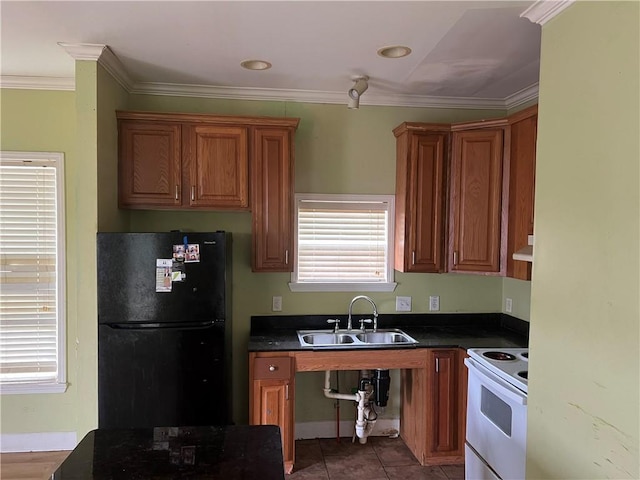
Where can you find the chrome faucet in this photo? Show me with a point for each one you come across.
(375, 311)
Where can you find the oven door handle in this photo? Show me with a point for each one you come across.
(495, 383)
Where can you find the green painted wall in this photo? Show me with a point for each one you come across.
(337, 151)
(584, 400)
(85, 218)
(46, 121)
(111, 97)
(519, 291)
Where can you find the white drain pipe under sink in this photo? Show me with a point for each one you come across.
(364, 425)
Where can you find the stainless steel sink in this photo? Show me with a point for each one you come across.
(385, 337)
(324, 339)
(354, 338)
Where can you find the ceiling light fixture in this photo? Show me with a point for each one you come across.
(359, 87)
(256, 65)
(394, 51)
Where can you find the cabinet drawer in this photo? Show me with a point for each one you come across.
(277, 368)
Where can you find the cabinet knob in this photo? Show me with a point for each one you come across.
(272, 368)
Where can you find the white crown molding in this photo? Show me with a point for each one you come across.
(83, 51)
(37, 83)
(311, 96)
(114, 66)
(544, 10)
(523, 96)
(103, 55)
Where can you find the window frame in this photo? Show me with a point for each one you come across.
(55, 160)
(387, 286)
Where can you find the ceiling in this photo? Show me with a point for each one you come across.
(464, 53)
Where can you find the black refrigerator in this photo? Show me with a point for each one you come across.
(163, 321)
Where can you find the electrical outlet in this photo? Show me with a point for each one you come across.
(434, 303)
(276, 304)
(508, 305)
(403, 304)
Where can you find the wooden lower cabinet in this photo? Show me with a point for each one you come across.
(271, 393)
(432, 395)
(433, 408)
(444, 412)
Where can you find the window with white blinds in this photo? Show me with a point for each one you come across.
(343, 243)
(31, 272)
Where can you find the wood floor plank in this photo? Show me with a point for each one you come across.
(30, 465)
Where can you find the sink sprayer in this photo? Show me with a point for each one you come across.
(373, 388)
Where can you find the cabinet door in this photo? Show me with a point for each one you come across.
(273, 409)
(217, 163)
(272, 402)
(149, 164)
(420, 202)
(444, 402)
(477, 213)
(272, 200)
(521, 189)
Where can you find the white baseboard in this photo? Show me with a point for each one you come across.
(38, 442)
(306, 430)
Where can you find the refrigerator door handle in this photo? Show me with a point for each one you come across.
(156, 325)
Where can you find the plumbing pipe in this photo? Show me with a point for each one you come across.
(340, 396)
(364, 426)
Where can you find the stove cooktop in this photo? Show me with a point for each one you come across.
(510, 364)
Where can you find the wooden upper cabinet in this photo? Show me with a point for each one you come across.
(198, 161)
(150, 165)
(478, 210)
(272, 191)
(421, 153)
(217, 166)
(524, 126)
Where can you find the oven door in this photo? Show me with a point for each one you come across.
(496, 422)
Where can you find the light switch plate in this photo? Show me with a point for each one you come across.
(403, 304)
(276, 304)
(508, 305)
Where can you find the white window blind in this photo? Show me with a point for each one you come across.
(343, 239)
(31, 269)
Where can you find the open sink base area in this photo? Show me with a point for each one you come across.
(379, 458)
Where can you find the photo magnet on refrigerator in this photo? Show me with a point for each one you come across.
(163, 274)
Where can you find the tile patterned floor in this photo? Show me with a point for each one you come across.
(380, 458)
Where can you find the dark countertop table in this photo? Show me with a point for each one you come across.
(474, 330)
(163, 453)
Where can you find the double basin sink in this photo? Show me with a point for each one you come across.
(354, 338)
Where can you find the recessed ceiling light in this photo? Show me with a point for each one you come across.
(255, 65)
(395, 51)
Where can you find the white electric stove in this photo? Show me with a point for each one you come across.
(496, 413)
(511, 364)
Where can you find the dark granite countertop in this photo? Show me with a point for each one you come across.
(475, 330)
(163, 453)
